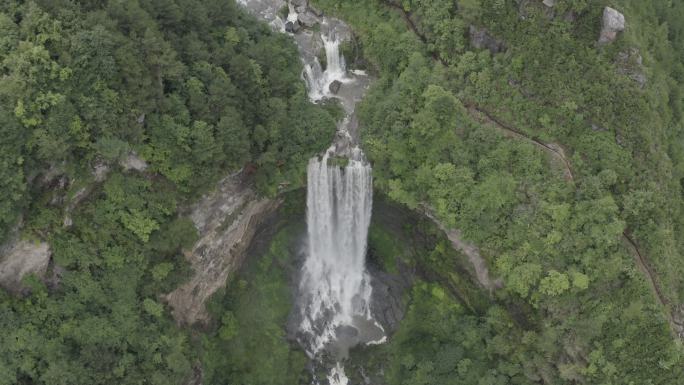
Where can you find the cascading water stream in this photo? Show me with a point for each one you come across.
(335, 285)
(334, 293)
(318, 80)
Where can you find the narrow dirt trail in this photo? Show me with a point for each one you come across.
(556, 152)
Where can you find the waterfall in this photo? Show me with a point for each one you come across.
(318, 80)
(335, 285)
(333, 308)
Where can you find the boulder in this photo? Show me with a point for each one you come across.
(335, 86)
(481, 39)
(613, 23)
(299, 3)
(307, 20)
(21, 257)
(549, 3)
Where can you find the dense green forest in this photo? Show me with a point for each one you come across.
(556, 162)
(198, 89)
(562, 160)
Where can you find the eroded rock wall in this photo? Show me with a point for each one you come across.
(226, 221)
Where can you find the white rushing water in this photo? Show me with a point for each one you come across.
(334, 280)
(318, 81)
(335, 291)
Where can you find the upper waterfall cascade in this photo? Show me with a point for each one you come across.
(334, 299)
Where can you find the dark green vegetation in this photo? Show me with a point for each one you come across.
(249, 345)
(576, 304)
(198, 89)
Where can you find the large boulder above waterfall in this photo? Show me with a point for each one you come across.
(613, 23)
(226, 221)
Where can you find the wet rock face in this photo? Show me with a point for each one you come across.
(613, 23)
(226, 221)
(335, 86)
(307, 20)
(481, 39)
(19, 258)
(388, 306)
(292, 27)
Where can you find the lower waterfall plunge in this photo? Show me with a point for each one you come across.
(335, 286)
(334, 295)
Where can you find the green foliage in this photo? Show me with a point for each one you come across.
(249, 345)
(440, 343)
(198, 89)
(338, 161)
(196, 96)
(557, 244)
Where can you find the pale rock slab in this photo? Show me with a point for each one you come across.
(613, 23)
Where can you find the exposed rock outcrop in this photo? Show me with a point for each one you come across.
(226, 221)
(613, 23)
(292, 27)
(472, 252)
(21, 257)
(307, 19)
(481, 39)
(387, 297)
(134, 162)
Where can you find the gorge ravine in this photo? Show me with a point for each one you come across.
(333, 305)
